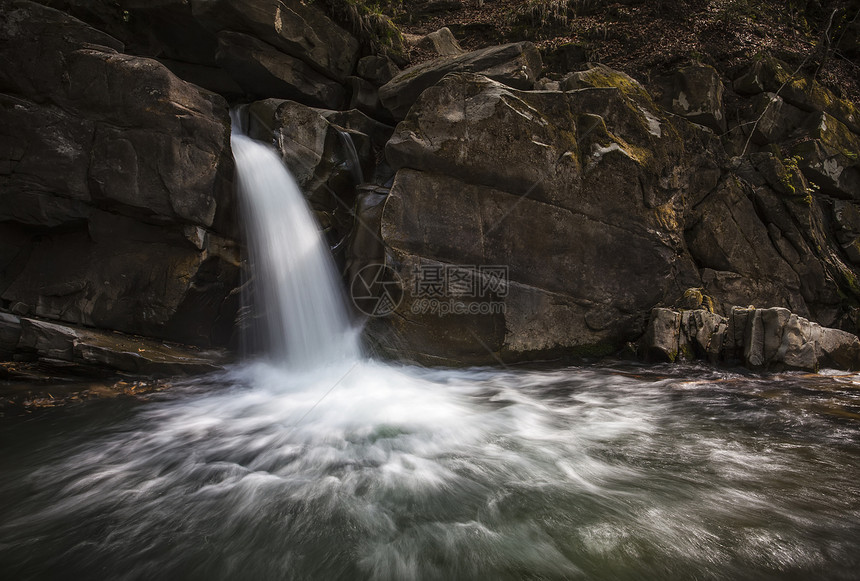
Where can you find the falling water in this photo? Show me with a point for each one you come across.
(306, 324)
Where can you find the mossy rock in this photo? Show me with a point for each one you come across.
(695, 299)
(768, 74)
(600, 75)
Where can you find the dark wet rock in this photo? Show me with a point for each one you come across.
(117, 209)
(186, 30)
(211, 78)
(364, 97)
(773, 338)
(117, 202)
(313, 144)
(728, 236)
(116, 273)
(365, 246)
(262, 71)
(594, 166)
(10, 332)
(111, 350)
(294, 41)
(122, 132)
(516, 65)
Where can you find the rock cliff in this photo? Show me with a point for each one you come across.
(525, 214)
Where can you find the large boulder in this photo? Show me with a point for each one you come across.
(131, 135)
(114, 272)
(377, 69)
(790, 220)
(554, 204)
(440, 42)
(575, 193)
(115, 179)
(517, 65)
(727, 238)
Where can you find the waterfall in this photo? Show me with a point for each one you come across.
(298, 297)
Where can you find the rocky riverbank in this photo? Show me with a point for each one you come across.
(561, 208)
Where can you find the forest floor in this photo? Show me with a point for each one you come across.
(648, 38)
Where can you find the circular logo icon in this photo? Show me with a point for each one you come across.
(376, 290)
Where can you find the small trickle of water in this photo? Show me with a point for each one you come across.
(298, 298)
(352, 157)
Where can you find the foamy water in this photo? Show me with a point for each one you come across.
(371, 471)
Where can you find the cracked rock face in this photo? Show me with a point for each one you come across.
(599, 206)
(574, 193)
(115, 185)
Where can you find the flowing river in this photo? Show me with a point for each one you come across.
(407, 473)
